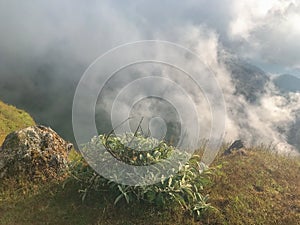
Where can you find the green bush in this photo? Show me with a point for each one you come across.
(136, 149)
(183, 187)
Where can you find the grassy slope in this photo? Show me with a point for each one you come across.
(257, 188)
(12, 119)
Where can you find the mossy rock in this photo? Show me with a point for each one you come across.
(37, 152)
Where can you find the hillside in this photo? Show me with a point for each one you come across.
(12, 119)
(257, 187)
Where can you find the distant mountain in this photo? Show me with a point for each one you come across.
(293, 136)
(248, 79)
(251, 82)
(287, 83)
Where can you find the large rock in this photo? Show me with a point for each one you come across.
(37, 152)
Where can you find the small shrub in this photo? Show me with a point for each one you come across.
(136, 149)
(183, 187)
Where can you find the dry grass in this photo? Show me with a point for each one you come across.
(257, 188)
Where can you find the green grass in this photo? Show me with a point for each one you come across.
(12, 119)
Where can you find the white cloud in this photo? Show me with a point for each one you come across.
(76, 32)
(267, 31)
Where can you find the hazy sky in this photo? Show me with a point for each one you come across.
(46, 46)
(264, 32)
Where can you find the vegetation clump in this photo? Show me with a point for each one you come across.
(136, 149)
(183, 187)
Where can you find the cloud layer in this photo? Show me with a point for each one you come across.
(46, 46)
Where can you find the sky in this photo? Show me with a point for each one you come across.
(264, 32)
(46, 46)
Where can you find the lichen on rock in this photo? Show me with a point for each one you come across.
(37, 152)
